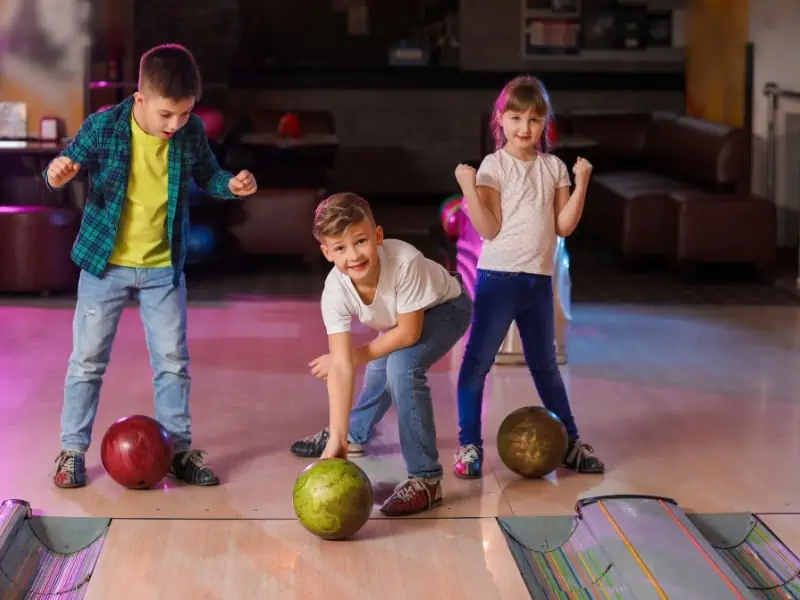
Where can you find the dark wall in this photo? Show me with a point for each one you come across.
(392, 140)
(209, 28)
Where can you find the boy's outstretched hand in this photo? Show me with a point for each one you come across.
(319, 366)
(243, 184)
(61, 171)
(335, 449)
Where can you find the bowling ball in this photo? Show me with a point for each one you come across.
(332, 498)
(136, 452)
(289, 126)
(532, 441)
(201, 243)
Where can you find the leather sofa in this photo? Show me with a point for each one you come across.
(667, 186)
(35, 245)
(675, 187)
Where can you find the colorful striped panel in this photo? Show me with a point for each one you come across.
(30, 570)
(765, 564)
(577, 570)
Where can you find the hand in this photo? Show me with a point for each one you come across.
(319, 367)
(335, 449)
(61, 171)
(244, 184)
(582, 171)
(465, 176)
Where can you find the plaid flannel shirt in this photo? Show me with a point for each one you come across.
(102, 146)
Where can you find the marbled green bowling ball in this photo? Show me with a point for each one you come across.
(332, 498)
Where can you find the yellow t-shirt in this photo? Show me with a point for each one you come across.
(142, 240)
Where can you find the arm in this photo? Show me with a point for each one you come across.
(341, 375)
(406, 333)
(81, 150)
(569, 207)
(483, 209)
(206, 170)
(482, 192)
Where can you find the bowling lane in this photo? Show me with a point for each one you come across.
(251, 397)
(388, 559)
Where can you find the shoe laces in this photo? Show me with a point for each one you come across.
(406, 491)
(195, 457)
(66, 461)
(468, 454)
(319, 437)
(580, 452)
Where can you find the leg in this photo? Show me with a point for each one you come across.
(99, 307)
(373, 402)
(406, 374)
(162, 307)
(494, 313)
(535, 320)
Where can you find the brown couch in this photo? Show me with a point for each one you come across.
(35, 245)
(676, 187)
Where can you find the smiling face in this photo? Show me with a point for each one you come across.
(520, 115)
(159, 116)
(522, 129)
(355, 251)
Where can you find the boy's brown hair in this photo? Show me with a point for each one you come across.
(170, 71)
(337, 212)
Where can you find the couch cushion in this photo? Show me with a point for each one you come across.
(630, 185)
(709, 154)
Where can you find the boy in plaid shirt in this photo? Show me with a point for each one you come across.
(140, 156)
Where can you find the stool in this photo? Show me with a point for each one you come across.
(35, 245)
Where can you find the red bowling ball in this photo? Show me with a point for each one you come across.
(136, 452)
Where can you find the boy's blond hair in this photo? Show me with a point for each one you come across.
(337, 212)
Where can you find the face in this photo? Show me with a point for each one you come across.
(159, 116)
(355, 252)
(522, 129)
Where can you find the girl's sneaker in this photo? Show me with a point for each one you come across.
(468, 462)
(581, 459)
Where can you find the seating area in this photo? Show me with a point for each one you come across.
(673, 187)
(664, 185)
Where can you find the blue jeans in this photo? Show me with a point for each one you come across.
(162, 307)
(500, 299)
(401, 377)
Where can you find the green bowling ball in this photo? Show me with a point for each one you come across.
(332, 498)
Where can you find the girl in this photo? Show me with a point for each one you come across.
(518, 201)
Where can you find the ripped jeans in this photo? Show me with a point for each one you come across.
(162, 308)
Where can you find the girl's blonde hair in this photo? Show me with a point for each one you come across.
(520, 94)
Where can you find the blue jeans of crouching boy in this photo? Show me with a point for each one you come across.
(401, 378)
(162, 307)
(501, 298)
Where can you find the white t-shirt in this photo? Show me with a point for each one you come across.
(408, 282)
(527, 238)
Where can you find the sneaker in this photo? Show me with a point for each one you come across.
(581, 459)
(468, 462)
(413, 496)
(190, 467)
(313, 446)
(70, 469)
